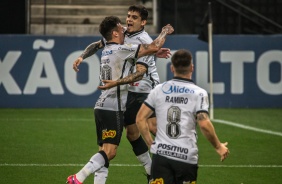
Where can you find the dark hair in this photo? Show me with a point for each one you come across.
(181, 60)
(141, 9)
(108, 25)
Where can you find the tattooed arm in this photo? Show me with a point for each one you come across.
(138, 75)
(208, 130)
(155, 46)
(145, 49)
(89, 51)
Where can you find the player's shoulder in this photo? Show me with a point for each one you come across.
(144, 35)
(200, 91)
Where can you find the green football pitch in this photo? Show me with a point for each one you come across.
(47, 145)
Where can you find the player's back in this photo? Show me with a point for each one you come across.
(176, 103)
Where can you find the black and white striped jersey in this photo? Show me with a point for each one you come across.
(116, 62)
(151, 78)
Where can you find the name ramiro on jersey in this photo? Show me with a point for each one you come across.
(174, 99)
(168, 89)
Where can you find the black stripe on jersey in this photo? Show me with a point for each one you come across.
(118, 98)
(153, 82)
(137, 51)
(118, 87)
(148, 105)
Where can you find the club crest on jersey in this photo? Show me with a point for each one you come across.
(157, 181)
(108, 134)
(168, 89)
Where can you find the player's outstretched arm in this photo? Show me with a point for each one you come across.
(89, 51)
(155, 46)
(209, 132)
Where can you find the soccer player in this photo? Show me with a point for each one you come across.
(145, 70)
(179, 105)
(116, 62)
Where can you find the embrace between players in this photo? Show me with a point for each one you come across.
(128, 56)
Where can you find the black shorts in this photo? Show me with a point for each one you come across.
(172, 171)
(133, 104)
(109, 126)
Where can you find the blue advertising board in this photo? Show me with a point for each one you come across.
(36, 71)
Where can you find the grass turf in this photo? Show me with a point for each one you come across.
(37, 146)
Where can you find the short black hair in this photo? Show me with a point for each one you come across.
(141, 9)
(108, 25)
(181, 60)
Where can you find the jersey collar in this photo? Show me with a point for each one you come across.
(184, 79)
(133, 33)
(111, 43)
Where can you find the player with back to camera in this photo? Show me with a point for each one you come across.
(180, 106)
(116, 61)
(145, 71)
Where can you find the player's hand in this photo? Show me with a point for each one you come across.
(168, 29)
(108, 84)
(163, 53)
(124, 29)
(223, 151)
(76, 63)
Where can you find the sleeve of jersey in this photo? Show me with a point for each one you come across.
(150, 101)
(202, 102)
(145, 60)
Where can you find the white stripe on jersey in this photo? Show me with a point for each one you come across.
(176, 103)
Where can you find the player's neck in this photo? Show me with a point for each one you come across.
(184, 76)
(115, 40)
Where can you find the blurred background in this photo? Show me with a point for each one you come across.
(82, 17)
(40, 39)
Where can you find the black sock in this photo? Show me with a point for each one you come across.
(139, 146)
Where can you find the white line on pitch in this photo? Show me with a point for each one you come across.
(246, 127)
(136, 165)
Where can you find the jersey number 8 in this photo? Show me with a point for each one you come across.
(173, 118)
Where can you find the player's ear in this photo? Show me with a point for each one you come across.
(143, 22)
(171, 68)
(115, 33)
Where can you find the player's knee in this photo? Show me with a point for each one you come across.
(110, 150)
(111, 154)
